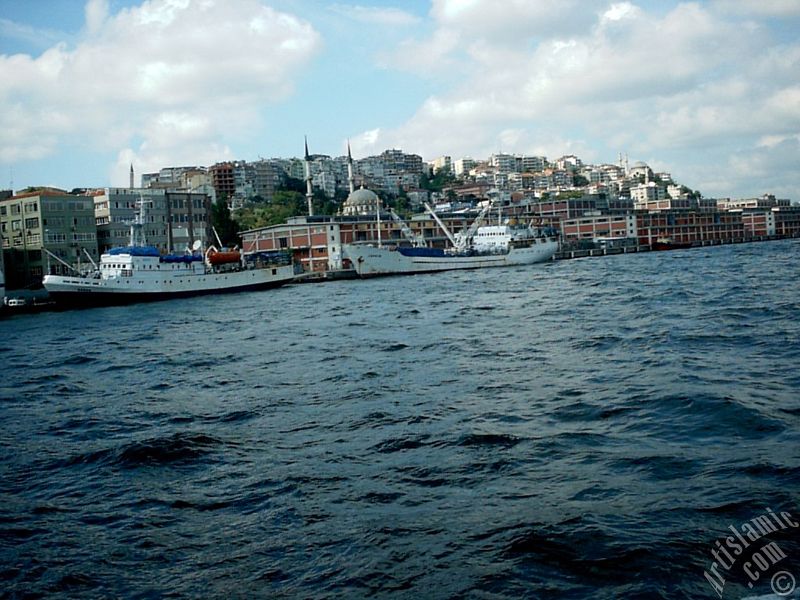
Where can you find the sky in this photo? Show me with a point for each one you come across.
(708, 91)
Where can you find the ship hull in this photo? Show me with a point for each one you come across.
(659, 246)
(76, 292)
(374, 262)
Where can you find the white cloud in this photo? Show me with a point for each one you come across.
(372, 14)
(620, 11)
(96, 13)
(768, 8)
(513, 21)
(168, 72)
(427, 57)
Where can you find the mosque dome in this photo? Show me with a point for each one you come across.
(361, 202)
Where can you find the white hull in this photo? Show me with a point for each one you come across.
(156, 286)
(370, 261)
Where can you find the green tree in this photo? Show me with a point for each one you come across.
(227, 229)
(579, 181)
(436, 182)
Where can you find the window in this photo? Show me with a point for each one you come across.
(32, 223)
(15, 209)
(16, 225)
(2, 210)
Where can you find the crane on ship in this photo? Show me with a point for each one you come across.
(462, 239)
(416, 241)
(442, 226)
(465, 237)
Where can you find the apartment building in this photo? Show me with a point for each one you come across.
(174, 219)
(644, 193)
(463, 166)
(45, 221)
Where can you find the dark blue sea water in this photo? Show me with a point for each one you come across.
(582, 429)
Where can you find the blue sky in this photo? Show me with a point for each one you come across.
(709, 91)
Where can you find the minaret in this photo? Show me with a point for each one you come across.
(131, 176)
(350, 179)
(309, 191)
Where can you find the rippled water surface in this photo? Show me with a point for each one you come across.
(586, 428)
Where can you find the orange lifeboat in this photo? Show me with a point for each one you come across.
(224, 257)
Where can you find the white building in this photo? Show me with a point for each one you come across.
(647, 192)
(463, 166)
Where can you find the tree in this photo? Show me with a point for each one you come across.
(692, 194)
(579, 180)
(227, 229)
(435, 183)
(284, 204)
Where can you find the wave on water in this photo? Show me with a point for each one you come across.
(175, 449)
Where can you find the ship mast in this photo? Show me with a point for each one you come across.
(137, 225)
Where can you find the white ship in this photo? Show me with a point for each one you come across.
(501, 245)
(138, 272)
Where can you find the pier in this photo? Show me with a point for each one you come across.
(589, 252)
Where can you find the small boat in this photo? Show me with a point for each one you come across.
(502, 245)
(666, 243)
(139, 272)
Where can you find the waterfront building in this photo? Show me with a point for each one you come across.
(557, 209)
(780, 220)
(596, 226)
(680, 226)
(767, 201)
(46, 220)
(787, 220)
(688, 226)
(758, 222)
